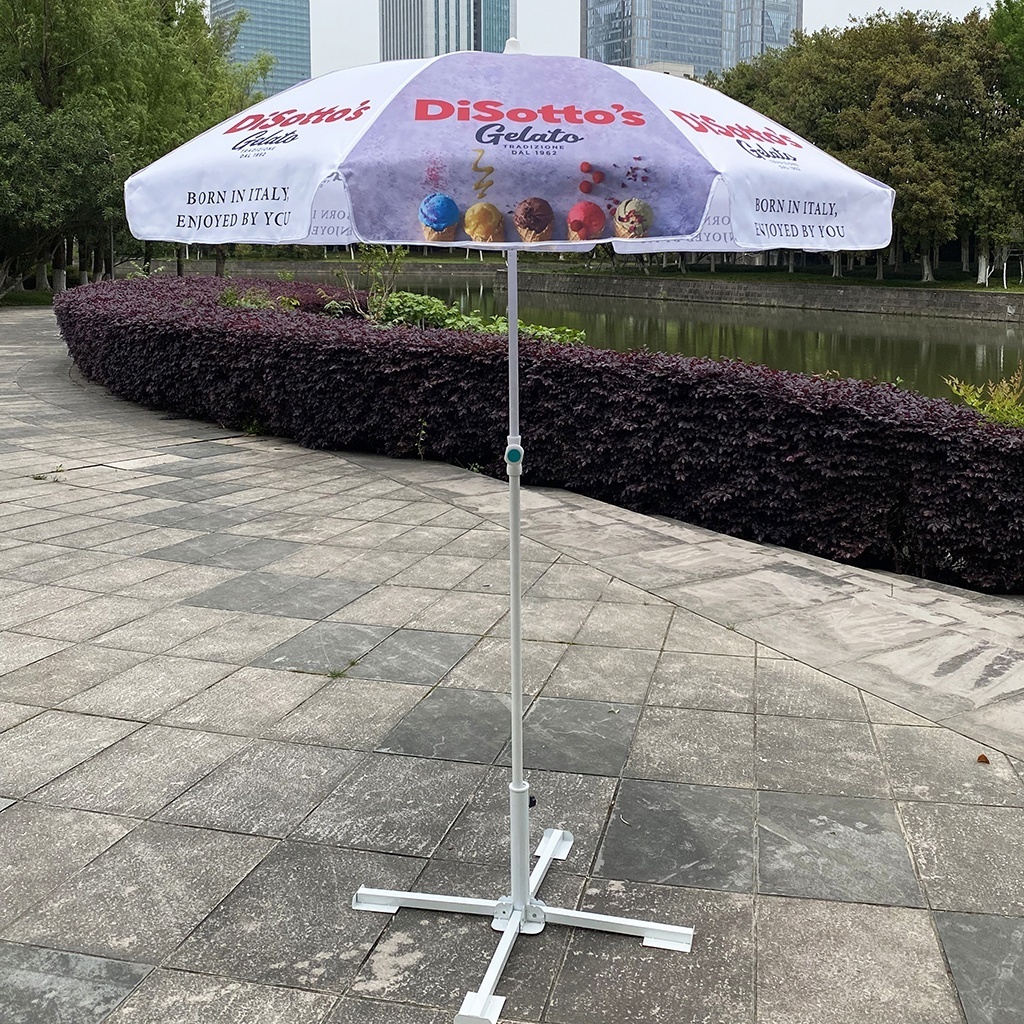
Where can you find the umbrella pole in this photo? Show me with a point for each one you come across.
(521, 913)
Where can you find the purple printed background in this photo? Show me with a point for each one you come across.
(400, 160)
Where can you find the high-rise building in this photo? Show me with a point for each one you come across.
(709, 34)
(426, 28)
(280, 27)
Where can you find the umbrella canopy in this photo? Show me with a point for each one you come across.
(504, 151)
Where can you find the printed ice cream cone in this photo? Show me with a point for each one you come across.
(534, 220)
(484, 223)
(585, 221)
(632, 218)
(439, 218)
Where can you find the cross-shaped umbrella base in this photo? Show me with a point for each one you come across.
(483, 1006)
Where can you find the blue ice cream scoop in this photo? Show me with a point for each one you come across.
(438, 211)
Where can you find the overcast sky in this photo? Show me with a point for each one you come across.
(345, 32)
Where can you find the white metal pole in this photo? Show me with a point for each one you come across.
(513, 19)
(519, 790)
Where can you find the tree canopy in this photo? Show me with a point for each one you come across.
(90, 92)
(930, 105)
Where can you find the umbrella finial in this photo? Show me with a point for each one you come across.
(512, 45)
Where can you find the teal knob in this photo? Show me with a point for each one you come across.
(513, 454)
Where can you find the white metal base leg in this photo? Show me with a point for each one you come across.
(483, 1006)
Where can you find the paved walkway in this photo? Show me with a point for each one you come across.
(238, 679)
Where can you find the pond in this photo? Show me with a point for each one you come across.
(916, 352)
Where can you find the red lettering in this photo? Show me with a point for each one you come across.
(488, 110)
(247, 122)
(633, 118)
(434, 110)
(692, 120)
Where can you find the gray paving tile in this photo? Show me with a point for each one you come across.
(33, 753)
(164, 629)
(370, 1011)
(551, 619)
(227, 550)
(697, 635)
(362, 566)
(580, 582)
(462, 612)
(15, 714)
(70, 563)
(578, 803)
(834, 848)
(413, 656)
(44, 986)
(451, 952)
(175, 997)
(939, 765)
(351, 713)
(144, 895)
(792, 688)
(812, 755)
(273, 594)
(394, 804)
(40, 847)
(89, 619)
(813, 959)
(325, 647)
(696, 836)
(585, 736)
(143, 772)
(248, 701)
(145, 691)
(986, 956)
(883, 713)
(607, 979)
(487, 667)
(244, 638)
(968, 857)
(713, 682)
(290, 921)
(17, 651)
(626, 625)
(602, 673)
(453, 724)
(712, 748)
(388, 605)
(265, 789)
(1000, 724)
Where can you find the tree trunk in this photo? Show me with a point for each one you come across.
(220, 258)
(147, 257)
(926, 265)
(711, 259)
(837, 264)
(965, 252)
(60, 269)
(83, 262)
(179, 260)
(984, 264)
(97, 263)
(880, 265)
(42, 277)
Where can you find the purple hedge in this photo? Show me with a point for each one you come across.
(849, 470)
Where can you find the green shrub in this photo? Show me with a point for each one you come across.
(1000, 401)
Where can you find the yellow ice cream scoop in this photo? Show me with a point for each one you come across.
(484, 223)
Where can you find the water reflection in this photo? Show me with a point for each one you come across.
(917, 351)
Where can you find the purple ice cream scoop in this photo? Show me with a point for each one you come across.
(438, 211)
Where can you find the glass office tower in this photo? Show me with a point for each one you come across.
(766, 24)
(426, 28)
(280, 27)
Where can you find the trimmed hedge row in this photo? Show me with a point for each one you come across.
(849, 470)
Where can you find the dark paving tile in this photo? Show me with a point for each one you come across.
(969, 858)
(40, 847)
(290, 921)
(351, 713)
(201, 450)
(940, 765)
(578, 803)
(811, 755)
(708, 748)
(452, 951)
(986, 956)
(325, 647)
(713, 682)
(839, 963)
(200, 550)
(174, 997)
(576, 736)
(834, 848)
(266, 789)
(453, 724)
(697, 836)
(141, 897)
(394, 804)
(143, 772)
(44, 986)
(33, 753)
(414, 656)
(273, 594)
(186, 489)
(370, 1011)
(607, 978)
(792, 688)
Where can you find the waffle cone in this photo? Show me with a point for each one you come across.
(535, 236)
(497, 234)
(625, 231)
(447, 235)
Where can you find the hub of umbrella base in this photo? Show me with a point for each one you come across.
(483, 1006)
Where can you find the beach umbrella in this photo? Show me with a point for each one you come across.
(508, 152)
